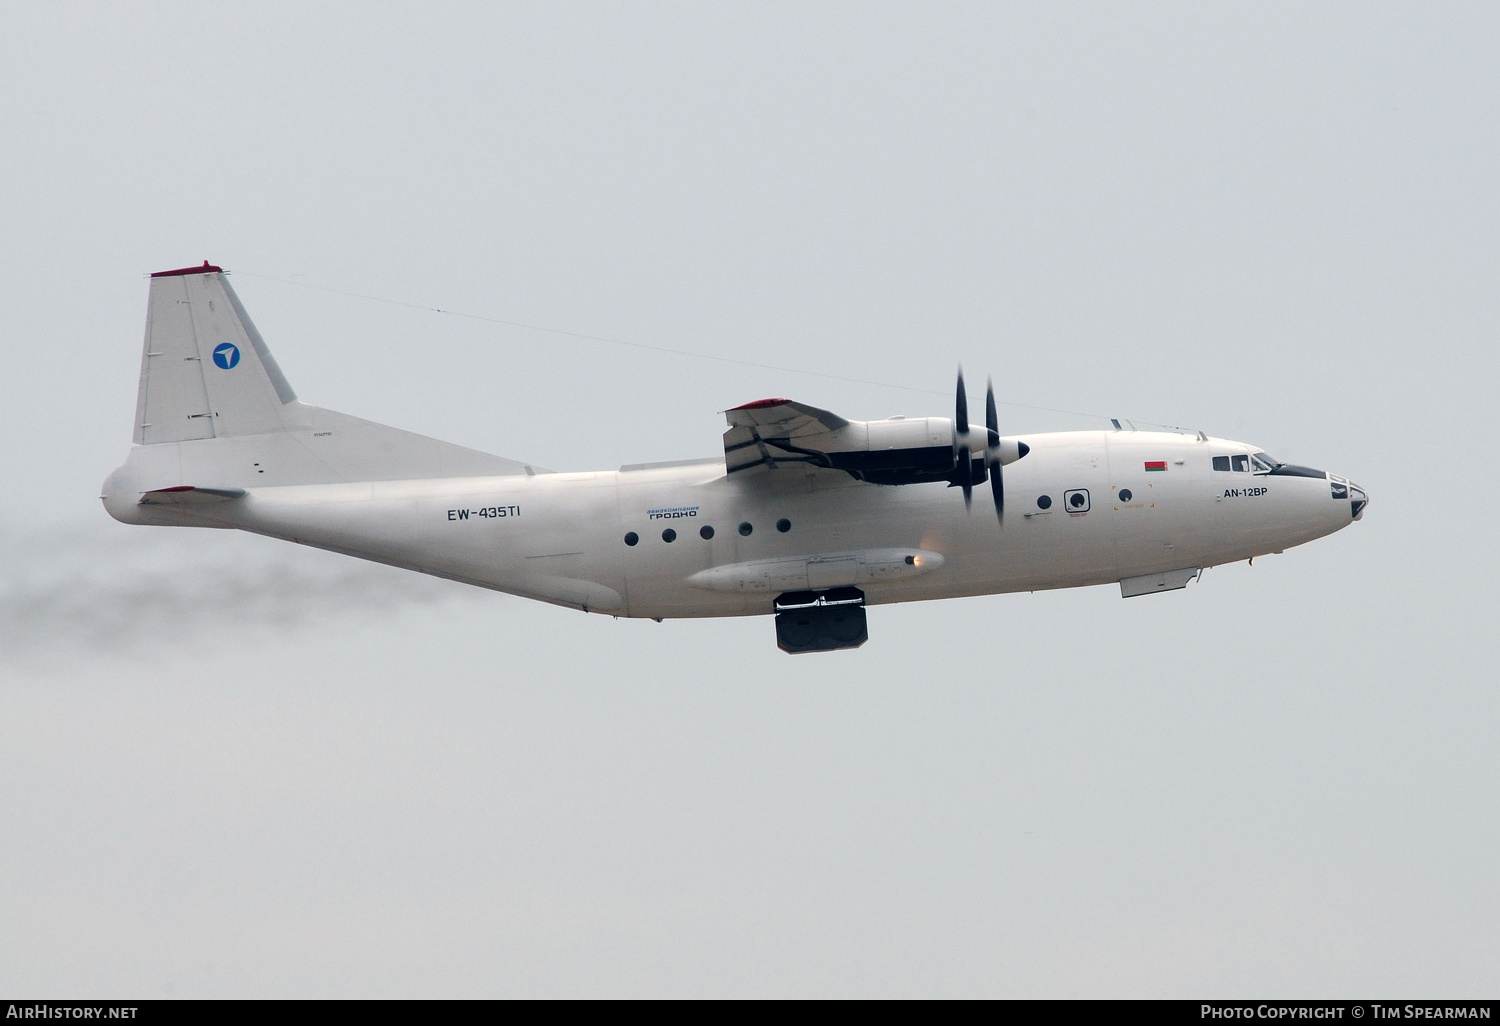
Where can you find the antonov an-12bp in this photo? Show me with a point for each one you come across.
(806, 515)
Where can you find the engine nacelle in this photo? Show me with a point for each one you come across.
(896, 451)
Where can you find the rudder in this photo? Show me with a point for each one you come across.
(205, 371)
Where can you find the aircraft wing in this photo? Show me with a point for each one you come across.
(769, 433)
(773, 431)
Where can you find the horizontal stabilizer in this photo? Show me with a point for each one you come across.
(189, 495)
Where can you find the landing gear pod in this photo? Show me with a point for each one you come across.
(808, 621)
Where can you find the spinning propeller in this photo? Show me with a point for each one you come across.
(961, 442)
(996, 452)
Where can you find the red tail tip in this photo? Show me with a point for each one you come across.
(207, 268)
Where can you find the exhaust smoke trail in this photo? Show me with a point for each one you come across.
(104, 589)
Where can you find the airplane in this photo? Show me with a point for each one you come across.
(806, 516)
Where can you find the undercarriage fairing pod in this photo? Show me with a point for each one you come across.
(824, 621)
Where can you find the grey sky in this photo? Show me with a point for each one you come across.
(233, 767)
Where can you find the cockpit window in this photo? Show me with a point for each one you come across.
(1221, 462)
(1240, 462)
(1264, 461)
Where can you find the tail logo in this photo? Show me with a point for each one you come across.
(226, 355)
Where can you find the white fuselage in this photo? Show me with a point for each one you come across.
(562, 537)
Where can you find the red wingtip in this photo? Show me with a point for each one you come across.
(207, 268)
(761, 404)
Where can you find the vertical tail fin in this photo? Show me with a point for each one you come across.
(205, 372)
(214, 413)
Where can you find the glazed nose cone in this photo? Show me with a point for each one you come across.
(1358, 500)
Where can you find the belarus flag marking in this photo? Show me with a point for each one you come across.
(1156, 464)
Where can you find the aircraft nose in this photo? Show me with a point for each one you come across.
(1358, 500)
(1346, 490)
